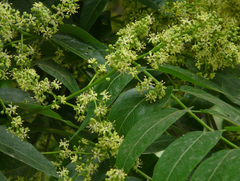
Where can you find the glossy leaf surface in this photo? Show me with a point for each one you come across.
(24, 152)
(80, 33)
(143, 133)
(60, 73)
(131, 106)
(79, 47)
(191, 149)
(223, 165)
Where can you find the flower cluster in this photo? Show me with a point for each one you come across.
(207, 35)
(124, 51)
(28, 80)
(154, 90)
(16, 127)
(116, 174)
(40, 21)
(108, 139)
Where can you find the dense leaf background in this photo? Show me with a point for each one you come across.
(192, 133)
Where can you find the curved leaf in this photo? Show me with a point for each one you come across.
(24, 152)
(131, 106)
(84, 36)
(143, 133)
(79, 47)
(80, 33)
(224, 165)
(14, 95)
(60, 73)
(90, 12)
(190, 77)
(197, 80)
(191, 149)
(230, 112)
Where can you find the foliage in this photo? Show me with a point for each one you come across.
(160, 101)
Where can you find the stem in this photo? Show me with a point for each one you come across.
(25, 33)
(143, 174)
(190, 112)
(72, 95)
(156, 48)
(56, 152)
(201, 122)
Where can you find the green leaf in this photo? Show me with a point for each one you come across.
(154, 4)
(132, 179)
(84, 37)
(190, 100)
(190, 77)
(24, 152)
(222, 115)
(114, 87)
(82, 34)
(191, 149)
(143, 133)
(90, 12)
(197, 80)
(160, 144)
(46, 112)
(102, 28)
(223, 165)
(232, 87)
(131, 106)
(13, 168)
(14, 95)
(231, 128)
(60, 73)
(2, 177)
(79, 47)
(232, 112)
